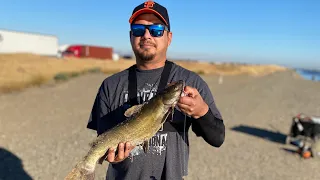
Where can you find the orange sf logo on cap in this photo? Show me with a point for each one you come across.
(149, 4)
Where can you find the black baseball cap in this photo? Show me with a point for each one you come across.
(151, 7)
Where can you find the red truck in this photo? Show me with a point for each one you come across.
(86, 51)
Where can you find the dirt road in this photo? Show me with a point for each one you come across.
(42, 130)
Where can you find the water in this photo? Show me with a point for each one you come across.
(309, 74)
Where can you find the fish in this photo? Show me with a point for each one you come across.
(142, 122)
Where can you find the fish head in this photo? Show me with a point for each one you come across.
(172, 93)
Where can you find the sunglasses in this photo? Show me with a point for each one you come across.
(156, 30)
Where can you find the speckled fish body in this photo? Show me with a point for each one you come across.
(142, 122)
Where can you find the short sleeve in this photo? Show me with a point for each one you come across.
(99, 109)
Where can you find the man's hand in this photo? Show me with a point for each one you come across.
(123, 152)
(192, 103)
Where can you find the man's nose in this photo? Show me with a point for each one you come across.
(147, 34)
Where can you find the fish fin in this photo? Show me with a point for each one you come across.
(146, 146)
(172, 112)
(101, 160)
(133, 110)
(166, 116)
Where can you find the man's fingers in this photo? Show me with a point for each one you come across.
(123, 152)
(186, 100)
(111, 155)
(128, 148)
(185, 108)
(190, 91)
(120, 155)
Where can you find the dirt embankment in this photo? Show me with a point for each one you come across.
(18, 71)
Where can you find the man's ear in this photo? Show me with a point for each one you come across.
(169, 34)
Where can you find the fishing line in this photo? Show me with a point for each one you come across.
(184, 136)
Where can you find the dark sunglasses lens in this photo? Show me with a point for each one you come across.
(156, 30)
(138, 30)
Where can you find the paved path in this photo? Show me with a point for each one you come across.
(43, 134)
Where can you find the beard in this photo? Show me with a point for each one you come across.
(145, 54)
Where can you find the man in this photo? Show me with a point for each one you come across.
(167, 158)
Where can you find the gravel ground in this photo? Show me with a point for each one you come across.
(43, 134)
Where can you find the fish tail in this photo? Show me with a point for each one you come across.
(80, 172)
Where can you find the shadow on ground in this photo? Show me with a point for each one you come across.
(262, 133)
(11, 166)
(291, 151)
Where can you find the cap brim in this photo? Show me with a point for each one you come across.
(146, 10)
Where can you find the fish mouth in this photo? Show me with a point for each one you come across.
(183, 84)
(174, 93)
(181, 92)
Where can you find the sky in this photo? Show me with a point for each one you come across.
(285, 32)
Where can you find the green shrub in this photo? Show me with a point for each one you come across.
(94, 70)
(61, 77)
(74, 74)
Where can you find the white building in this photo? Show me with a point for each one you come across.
(24, 42)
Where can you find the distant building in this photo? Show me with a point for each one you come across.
(26, 42)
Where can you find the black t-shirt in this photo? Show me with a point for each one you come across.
(168, 153)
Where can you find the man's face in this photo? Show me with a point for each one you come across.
(147, 47)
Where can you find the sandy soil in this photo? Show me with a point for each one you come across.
(43, 134)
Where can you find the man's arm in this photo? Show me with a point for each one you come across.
(211, 128)
(94, 116)
(99, 109)
(206, 119)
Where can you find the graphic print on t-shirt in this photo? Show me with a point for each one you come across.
(144, 94)
(158, 143)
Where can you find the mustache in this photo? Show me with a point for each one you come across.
(147, 43)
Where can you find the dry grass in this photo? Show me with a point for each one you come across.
(18, 71)
(230, 69)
